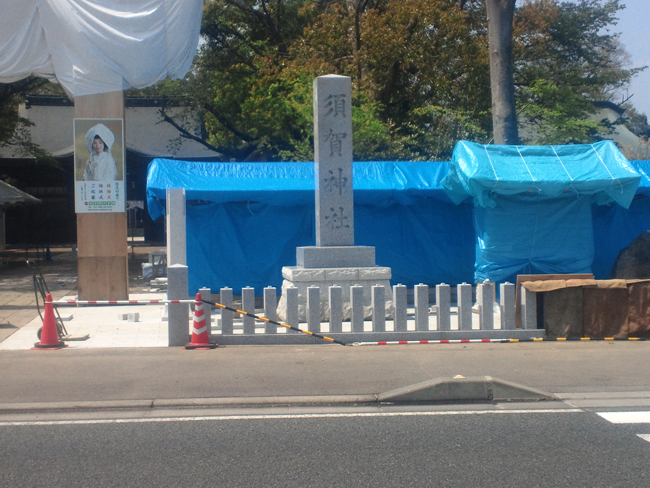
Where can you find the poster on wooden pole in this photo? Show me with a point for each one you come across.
(99, 165)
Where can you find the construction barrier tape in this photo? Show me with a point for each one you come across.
(118, 302)
(498, 341)
(282, 324)
(565, 339)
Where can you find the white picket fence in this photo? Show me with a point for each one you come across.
(485, 319)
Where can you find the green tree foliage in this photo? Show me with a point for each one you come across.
(14, 129)
(419, 68)
(567, 57)
(419, 71)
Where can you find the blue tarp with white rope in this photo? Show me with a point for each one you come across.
(533, 204)
(244, 221)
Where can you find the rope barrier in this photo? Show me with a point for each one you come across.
(576, 339)
(118, 302)
(438, 341)
(499, 341)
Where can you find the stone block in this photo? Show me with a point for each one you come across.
(297, 274)
(342, 274)
(375, 273)
(335, 256)
(323, 285)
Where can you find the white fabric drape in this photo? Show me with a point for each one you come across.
(98, 46)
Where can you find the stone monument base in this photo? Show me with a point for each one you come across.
(344, 266)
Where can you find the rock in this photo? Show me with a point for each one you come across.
(633, 262)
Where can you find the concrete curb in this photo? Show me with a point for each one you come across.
(461, 389)
(439, 390)
(89, 406)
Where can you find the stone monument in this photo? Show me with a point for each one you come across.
(335, 260)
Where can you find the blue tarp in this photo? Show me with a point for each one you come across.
(288, 184)
(533, 203)
(486, 172)
(244, 221)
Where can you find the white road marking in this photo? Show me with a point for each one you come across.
(283, 416)
(626, 417)
(645, 437)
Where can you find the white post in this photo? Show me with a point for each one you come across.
(421, 307)
(248, 305)
(443, 301)
(378, 308)
(176, 229)
(292, 308)
(507, 306)
(226, 315)
(485, 294)
(399, 308)
(336, 308)
(178, 325)
(270, 306)
(313, 309)
(528, 309)
(356, 311)
(464, 298)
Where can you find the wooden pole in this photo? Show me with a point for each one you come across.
(102, 237)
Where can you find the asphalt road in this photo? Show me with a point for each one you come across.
(331, 448)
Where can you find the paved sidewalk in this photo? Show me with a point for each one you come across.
(19, 319)
(244, 372)
(108, 372)
(104, 325)
(17, 300)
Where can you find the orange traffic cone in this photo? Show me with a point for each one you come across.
(49, 335)
(200, 331)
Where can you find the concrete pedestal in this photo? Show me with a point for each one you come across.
(366, 275)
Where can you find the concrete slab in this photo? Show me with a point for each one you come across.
(458, 389)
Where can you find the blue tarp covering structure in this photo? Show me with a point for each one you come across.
(245, 220)
(486, 172)
(286, 184)
(533, 211)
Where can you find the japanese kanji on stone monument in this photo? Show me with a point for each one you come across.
(333, 161)
(334, 260)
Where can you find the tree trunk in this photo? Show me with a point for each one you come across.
(504, 115)
(356, 7)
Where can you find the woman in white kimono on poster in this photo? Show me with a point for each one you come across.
(101, 165)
